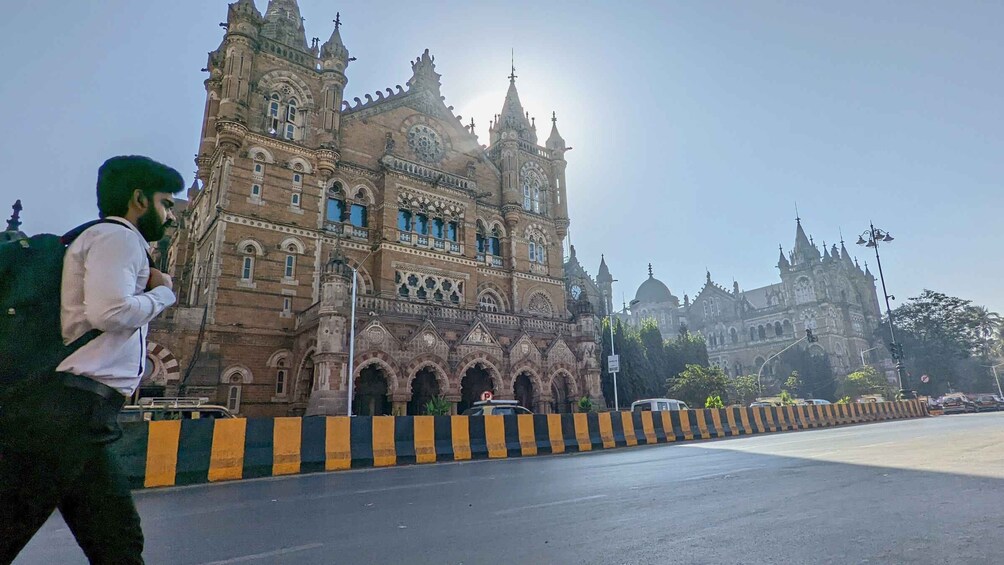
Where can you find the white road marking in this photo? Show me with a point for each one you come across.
(549, 504)
(257, 556)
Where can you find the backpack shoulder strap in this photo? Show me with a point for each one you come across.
(73, 234)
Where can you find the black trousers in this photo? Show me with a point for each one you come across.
(54, 453)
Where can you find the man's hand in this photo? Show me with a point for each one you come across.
(158, 278)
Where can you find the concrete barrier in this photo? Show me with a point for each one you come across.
(173, 453)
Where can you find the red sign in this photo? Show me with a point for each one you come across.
(925, 379)
(487, 395)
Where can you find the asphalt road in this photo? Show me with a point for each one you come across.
(918, 491)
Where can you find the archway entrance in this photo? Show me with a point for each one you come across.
(522, 391)
(424, 388)
(370, 397)
(476, 381)
(561, 395)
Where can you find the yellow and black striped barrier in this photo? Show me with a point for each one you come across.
(172, 453)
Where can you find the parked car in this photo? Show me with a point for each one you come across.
(658, 405)
(957, 404)
(496, 408)
(157, 409)
(986, 403)
(817, 401)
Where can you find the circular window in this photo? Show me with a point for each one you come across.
(426, 143)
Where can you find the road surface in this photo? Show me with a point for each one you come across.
(916, 491)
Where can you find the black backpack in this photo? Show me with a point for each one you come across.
(31, 340)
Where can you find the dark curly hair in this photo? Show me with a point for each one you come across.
(119, 176)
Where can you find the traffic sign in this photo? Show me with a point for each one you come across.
(614, 363)
(925, 379)
(487, 395)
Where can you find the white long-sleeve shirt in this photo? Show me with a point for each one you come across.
(105, 273)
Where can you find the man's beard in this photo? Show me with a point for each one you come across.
(151, 226)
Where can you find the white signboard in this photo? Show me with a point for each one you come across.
(614, 363)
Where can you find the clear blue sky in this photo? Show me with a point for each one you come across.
(696, 126)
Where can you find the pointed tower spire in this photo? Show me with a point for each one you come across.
(14, 223)
(782, 262)
(555, 141)
(845, 257)
(513, 117)
(284, 24)
(604, 272)
(804, 251)
(334, 48)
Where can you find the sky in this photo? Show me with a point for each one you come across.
(696, 126)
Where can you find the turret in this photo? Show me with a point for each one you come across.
(334, 60)
(236, 56)
(782, 262)
(606, 284)
(805, 251)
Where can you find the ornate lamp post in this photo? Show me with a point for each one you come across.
(872, 238)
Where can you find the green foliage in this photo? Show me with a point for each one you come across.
(865, 381)
(744, 389)
(814, 377)
(948, 339)
(793, 384)
(647, 361)
(844, 400)
(437, 406)
(714, 402)
(786, 399)
(586, 405)
(696, 383)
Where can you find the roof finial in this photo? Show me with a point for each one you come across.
(472, 126)
(798, 219)
(554, 117)
(841, 232)
(650, 270)
(338, 20)
(512, 77)
(15, 219)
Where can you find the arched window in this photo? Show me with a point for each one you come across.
(247, 264)
(786, 326)
(273, 107)
(541, 257)
(778, 331)
(359, 216)
(706, 309)
(290, 266)
(335, 211)
(752, 333)
(533, 251)
(494, 242)
(734, 335)
(280, 378)
(532, 191)
(234, 395)
(404, 220)
(761, 332)
(482, 239)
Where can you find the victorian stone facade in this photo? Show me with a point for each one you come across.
(827, 292)
(454, 247)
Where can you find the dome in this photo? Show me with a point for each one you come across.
(654, 291)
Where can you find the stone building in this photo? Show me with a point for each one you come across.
(457, 245)
(827, 292)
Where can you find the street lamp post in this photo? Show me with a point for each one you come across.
(863, 364)
(352, 326)
(871, 238)
(808, 336)
(613, 350)
(996, 378)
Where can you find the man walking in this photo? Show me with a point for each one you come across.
(55, 432)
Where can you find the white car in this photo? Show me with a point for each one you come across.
(658, 405)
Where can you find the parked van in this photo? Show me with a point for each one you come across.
(658, 405)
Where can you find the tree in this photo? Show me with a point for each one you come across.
(634, 377)
(744, 389)
(948, 339)
(814, 373)
(792, 384)
(696, 383)
(865, 381)
(714, 402)
(686, 349)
